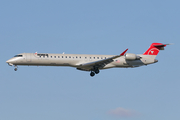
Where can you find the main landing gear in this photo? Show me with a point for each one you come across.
(93, 72)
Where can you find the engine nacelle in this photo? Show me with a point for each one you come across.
(131, 56)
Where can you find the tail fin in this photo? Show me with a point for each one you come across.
(154, 48)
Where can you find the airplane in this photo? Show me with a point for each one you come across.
(86, 62)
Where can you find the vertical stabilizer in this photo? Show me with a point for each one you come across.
(154, 49)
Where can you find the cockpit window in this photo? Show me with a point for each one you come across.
(18, 56)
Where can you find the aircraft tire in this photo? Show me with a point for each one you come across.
(92, 74)
(97, 71)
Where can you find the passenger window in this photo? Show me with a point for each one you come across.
(90, 57)
(97, 57)
(66, 56)
(76, 57)
(94, 57)
(62, 56)
(54, 56)
(58, 56)
(51, 56)
(85, 57)
(69, 56)
(79, 57)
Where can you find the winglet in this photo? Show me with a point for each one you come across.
(123, 52)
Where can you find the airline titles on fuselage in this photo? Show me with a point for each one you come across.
(65, 56)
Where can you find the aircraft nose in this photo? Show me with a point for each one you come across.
(10, 61)
(7, 61)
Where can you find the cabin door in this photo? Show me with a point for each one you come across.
(28, 57)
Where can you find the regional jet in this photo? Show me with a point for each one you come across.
(86, 62)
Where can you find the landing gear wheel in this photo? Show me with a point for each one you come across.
(15, 69)
(92, 74)
(96, 71)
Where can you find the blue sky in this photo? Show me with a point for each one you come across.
(89, 27)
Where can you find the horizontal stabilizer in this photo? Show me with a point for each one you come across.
(163, 45)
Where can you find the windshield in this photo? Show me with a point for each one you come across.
(18, 56)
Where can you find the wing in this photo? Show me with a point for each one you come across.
(99, 64)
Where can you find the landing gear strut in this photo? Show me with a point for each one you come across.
(96, 71)
(15, 69)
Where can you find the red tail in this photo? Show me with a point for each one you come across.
(154, 49)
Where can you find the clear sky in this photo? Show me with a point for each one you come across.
(89, 27)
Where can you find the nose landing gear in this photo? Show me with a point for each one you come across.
(15, 69)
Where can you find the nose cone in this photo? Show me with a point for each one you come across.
(8, 61)
(11, 61)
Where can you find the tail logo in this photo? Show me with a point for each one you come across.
(153, 51)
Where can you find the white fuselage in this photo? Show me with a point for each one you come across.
(74, 60)
(85, 62)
